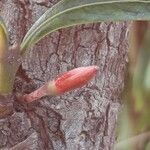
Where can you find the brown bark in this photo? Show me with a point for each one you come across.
(83, 119)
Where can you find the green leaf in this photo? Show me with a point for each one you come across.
(3, 38)
(141, 78)
(72, 12)
(5, 78)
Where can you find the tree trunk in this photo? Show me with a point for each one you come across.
(84, 119)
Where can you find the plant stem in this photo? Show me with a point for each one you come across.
(6, 82)
(9, 64)
(37, 94)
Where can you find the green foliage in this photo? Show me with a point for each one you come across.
(72, 12)
(137, 91)
(141, 78)
(3, 39)
(5, 77)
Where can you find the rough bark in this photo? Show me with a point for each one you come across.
(84, 119)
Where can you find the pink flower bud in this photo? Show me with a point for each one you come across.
(75, 78)
(68, 81)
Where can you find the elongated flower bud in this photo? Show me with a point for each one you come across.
(75, 78)
(68, 81)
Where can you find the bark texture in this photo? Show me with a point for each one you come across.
(84, 119)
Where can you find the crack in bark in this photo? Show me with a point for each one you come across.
(25, 14)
